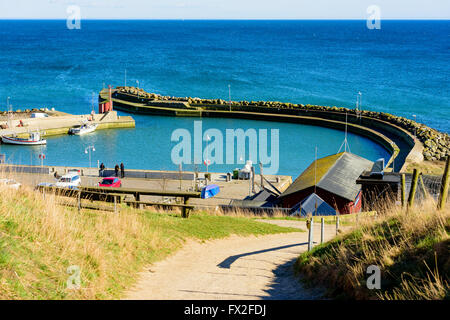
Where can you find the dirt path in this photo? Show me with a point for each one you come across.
(234, 268)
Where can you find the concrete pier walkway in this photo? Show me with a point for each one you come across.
(148, 179)
(59, 123)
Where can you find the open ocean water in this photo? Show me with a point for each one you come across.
(401, 69)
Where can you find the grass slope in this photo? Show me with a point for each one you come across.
(412, 250)
(39, 241)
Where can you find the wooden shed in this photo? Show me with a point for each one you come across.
(333, 179)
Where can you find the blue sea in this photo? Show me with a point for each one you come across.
(402, 69)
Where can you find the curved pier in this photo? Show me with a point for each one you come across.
(407, 141)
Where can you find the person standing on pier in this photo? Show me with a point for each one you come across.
(122, 170)
(102, 169)
(116, 169)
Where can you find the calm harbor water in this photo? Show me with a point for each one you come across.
(400, 69)
(149, 146)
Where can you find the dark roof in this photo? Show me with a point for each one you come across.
(336, 173)
(264, 195)
(308, 205)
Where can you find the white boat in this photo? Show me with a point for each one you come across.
(34, 140)
(83, 129)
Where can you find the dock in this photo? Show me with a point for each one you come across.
(59, 123)
(162, 180)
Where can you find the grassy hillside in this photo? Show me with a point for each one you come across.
(39, 241)
(412, 250)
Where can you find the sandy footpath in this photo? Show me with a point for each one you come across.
(232, 268)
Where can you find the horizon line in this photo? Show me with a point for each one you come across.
(227, 19)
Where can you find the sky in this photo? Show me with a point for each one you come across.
(225, 9)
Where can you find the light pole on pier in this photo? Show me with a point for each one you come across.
(9, 109)
(229, 95)
(358, 104)
(42, 157)
(88, 151)
(207, 161)
(137, 82)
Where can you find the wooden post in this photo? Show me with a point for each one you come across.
(444, 186)
(403, 184)
(311, 235)
(422, 184)
(261, 174)
(322, 229)
(412, 192)
(115, 204)
(195, 180)
(137, 196)
(337, 224)
(185, 211)
(79, 201)
(253, 179)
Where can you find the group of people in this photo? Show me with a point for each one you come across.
(116, 170)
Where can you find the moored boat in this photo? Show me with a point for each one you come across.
(83, 129)
(34, 140)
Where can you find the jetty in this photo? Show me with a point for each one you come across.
(409, 143)
(21, 123)
(151, 183)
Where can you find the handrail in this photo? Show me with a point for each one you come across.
(145, 192)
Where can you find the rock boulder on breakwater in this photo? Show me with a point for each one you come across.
(436, 144)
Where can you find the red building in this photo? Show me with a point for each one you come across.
(106, 104)
(333, 179)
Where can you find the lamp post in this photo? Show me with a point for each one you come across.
(9, 109)
(229, 95)
(137, 82)
(358, 104)
(206, 159)
(88, 151)
(42, 157)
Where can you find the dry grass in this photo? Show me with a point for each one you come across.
(40, 240)
(427, 167)
(240, 212)
(411, 248)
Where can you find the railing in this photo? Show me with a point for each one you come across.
(116, 195)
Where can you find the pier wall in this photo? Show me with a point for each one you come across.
(416, 142)
(382, 140)
(250, 114)
(60, 125)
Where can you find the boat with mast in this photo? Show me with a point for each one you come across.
(34, 139)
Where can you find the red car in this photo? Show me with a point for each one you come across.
(110, 182)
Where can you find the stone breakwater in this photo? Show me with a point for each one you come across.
(436, 144)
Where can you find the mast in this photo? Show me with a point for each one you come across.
(345, 143)
(92, 101)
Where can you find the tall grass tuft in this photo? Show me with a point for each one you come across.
(410, 246)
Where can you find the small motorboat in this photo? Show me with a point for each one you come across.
(33, 140)
(83, 129)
